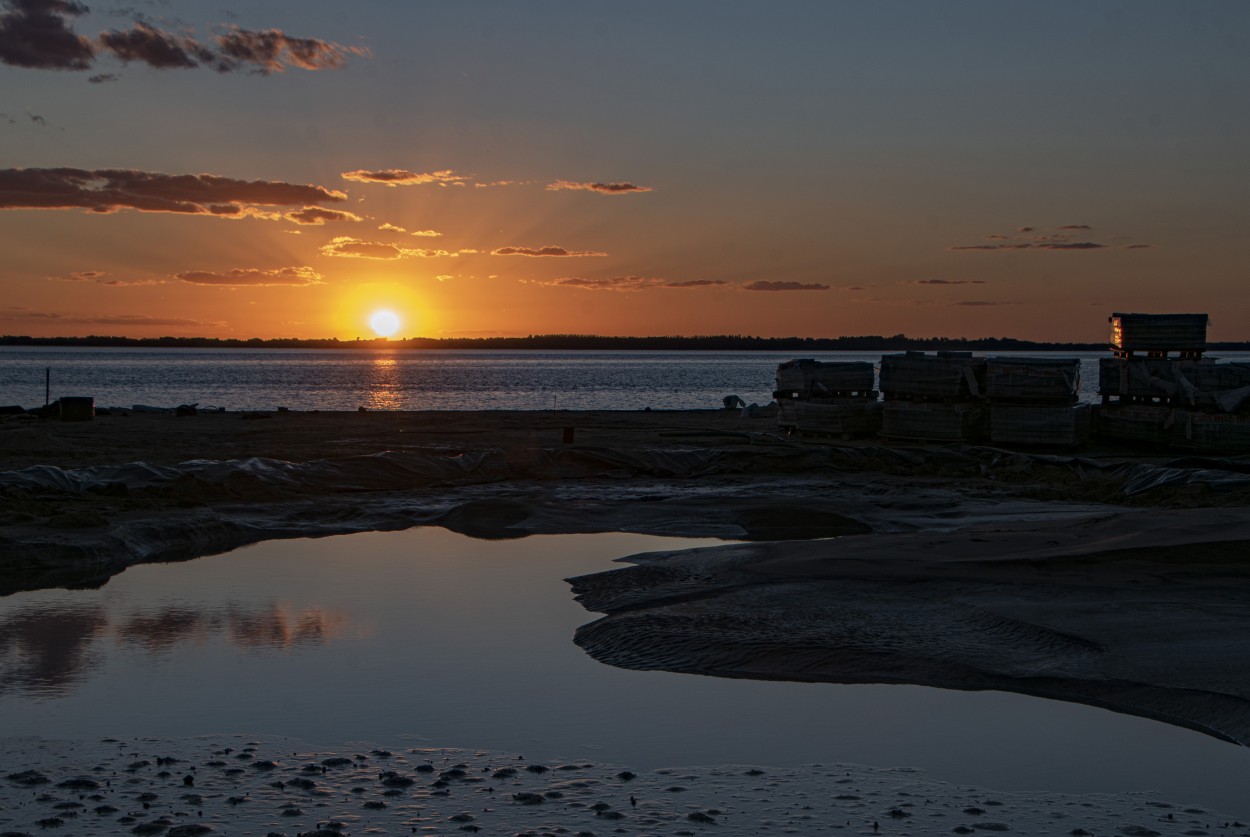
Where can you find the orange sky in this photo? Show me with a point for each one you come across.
(967, 169)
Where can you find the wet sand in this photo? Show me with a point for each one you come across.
(259, 785)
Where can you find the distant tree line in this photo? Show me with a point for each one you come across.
(587, 342)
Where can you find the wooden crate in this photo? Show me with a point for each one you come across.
(814, 378)
(1158, 332)
(1032, 380)
(1040, 424)
(844, 417)
(933, 422)
(915, 376)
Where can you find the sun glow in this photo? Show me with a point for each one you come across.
(384, 323)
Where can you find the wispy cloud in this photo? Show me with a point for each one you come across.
(549, 250)
(240, 276)
(1060, 240)
(317, 216)
(601, 188)
(403, 177)
(344, 246)
(765, 285)
(80, 276)
(395, 228)
(494, 184)
(979, 303)
(104, 319)
(698, 283)
(272, 51)
(112, 190)
(944, 282)
(39, 34)
(631, 283)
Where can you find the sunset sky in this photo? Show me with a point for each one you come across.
(289, 167)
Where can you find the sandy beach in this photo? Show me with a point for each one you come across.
(1114, 578)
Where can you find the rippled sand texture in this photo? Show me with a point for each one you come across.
(1141, 612)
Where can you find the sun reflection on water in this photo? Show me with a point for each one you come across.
(385, 387)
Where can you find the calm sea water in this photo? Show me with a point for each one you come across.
(426, 637)
(328, 379)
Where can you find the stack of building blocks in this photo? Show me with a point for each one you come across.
(817, 398)
(1157, 387)
(933, 398)
(1033, 401)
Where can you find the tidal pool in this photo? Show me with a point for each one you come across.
(426, 637)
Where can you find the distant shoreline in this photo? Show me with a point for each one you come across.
(586, 342)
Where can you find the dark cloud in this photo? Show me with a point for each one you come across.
(764, 285)
(1043, 244)
(979, 303)
(1070, 245)
(945, 282)
(632, 283)
(103, 78)
(156, 48)
(38, 34)
(615, 283)
(37, 119)
(316, 216)
(253, 276)
(601, 188)
(549, 250)
(403, 177)
(1137, 247)
(988, 246)
(1024, 229)
(697, 283)
(112, 190)
(1074, 227)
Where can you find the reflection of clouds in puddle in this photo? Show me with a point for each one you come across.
(49, 650)
(283, 627)
(385, 386)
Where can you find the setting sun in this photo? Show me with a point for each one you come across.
(384, 323)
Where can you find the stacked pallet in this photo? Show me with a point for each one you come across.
(933, 398)
(1158, 335)
(817, 398)
(1158, 388)
(1033, 401)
